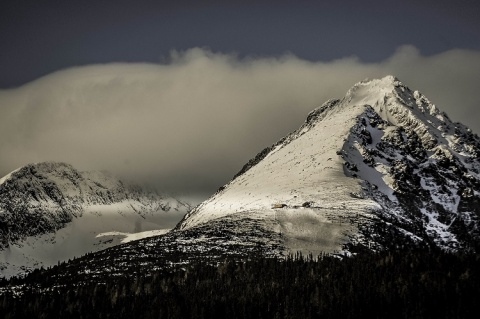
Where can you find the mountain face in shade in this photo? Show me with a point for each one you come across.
(51, 212)
(380, 168)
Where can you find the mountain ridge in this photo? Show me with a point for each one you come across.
(50, 212)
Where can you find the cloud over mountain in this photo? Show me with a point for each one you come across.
(190, 123)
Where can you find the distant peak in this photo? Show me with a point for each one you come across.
(43, 167)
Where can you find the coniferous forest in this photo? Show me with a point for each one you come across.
(402, 284)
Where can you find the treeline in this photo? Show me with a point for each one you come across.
(407, 284)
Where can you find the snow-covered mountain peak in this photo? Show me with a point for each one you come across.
(399, 106)
(383, 156)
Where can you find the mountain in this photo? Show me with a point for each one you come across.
(381, 170)
(51, 212)
(381, 167)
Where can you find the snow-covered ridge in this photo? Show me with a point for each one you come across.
(51, 212)
(383, 157)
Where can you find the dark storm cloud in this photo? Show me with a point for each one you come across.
(190, 124)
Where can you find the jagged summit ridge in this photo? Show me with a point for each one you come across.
(383, 159)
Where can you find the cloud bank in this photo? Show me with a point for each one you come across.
(191, 123)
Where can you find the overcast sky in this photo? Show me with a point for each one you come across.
(185, 94)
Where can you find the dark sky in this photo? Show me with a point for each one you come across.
(39, 37)
(185, 93)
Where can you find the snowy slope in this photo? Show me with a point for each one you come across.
(50, 212)
(380, 164)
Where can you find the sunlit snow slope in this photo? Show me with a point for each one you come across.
(381, 167)
(51, 212)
